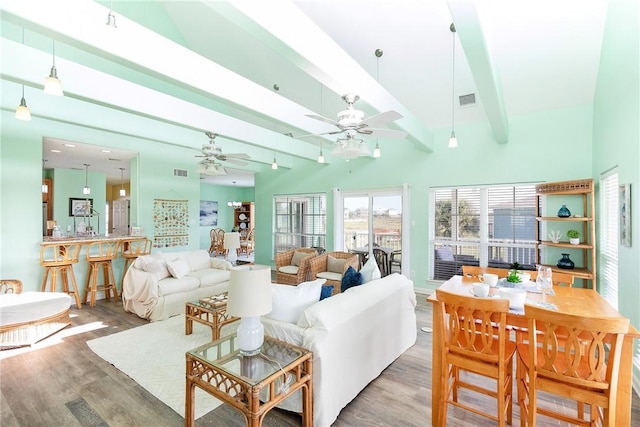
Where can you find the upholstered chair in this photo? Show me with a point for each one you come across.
(332, 266)
(293, 266)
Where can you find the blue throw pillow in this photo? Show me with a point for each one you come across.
(351, 278)
(326, 292)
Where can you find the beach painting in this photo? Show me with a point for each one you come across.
(208, 213)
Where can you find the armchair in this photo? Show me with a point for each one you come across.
(332, 266)
(293, 266)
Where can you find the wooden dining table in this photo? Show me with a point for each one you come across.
(576, 301)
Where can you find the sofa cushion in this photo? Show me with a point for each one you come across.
(326, 292)
(199, 259)
(329, 275)
(335, 265)
(445, 254)
(370, 270)
(153, 264)
(298, 256)
(171, 285)
(178, 268)
(351, 278)
(210, 276)
(288, 302)
(288, 269)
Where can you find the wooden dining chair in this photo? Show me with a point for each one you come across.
(473, 271)
(476, 342)
(572, 357)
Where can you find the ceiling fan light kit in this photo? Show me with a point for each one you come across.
(212, 155)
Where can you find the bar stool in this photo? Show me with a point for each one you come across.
(57, 260)
(132, 249)
(101, 254)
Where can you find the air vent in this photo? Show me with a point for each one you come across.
(469, 99)
(181, 172)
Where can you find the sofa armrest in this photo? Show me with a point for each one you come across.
(221, 264)
(140, 292)
(317, 265)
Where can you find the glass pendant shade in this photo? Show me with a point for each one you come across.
(86, 190)
(22, 112)
(123, 192)
(45, 188)
(376, 151)
(52, 84)
(274, 165)
(320, 157)
(453, 141)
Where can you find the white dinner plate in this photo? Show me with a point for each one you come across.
(243, 225)
(242, 216)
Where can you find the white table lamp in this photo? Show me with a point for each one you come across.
(232, 244)
(249, 297)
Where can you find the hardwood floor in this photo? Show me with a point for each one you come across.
(61, 382)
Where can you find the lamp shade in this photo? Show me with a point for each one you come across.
(231, 240)
(249, 291)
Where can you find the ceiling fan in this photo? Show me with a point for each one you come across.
(353, 120)
(211, 152)
(211, 168)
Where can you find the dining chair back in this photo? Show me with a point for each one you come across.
(246, 242)
(476, 343)
(217, 242)
(558, 278)
(131, 250)
(382, 260)
(573, 357)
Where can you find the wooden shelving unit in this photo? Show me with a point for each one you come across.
(244, 215)
(583, 189)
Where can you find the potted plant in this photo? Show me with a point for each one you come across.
(574, 237)
(513, 276)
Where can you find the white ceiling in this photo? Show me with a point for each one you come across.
(172, 70)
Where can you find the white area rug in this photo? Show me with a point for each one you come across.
(153, 355)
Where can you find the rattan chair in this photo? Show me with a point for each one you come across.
(217, 242)
(320, 268)
(246, 243)
(131, 250)
(289, 274)
(100, 255)
(476, 342)
(58, 260)
(10, 286)
(572, 357)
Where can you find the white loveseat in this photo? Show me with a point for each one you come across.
(354, 336)
(157, 286)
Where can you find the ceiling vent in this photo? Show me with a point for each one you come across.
(467, 100)
(181, 172)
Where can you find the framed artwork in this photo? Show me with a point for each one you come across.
(625, 215)
(80, 206)
(136, 231)
(208, 213)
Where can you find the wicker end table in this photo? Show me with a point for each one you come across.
(251, 384)
(211, 311)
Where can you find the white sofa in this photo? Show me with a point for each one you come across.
(157, 286)
(354, 336)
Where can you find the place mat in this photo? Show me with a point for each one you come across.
(529, 287)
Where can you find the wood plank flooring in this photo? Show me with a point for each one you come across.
(61, 382)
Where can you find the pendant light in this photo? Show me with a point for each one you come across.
(453, 141)
(321, 156)
(378, 53)
(274, 165)
(123, 192)
(22, 111)
(86, 190)
(45, 187)
(111, 18)
(53, 85)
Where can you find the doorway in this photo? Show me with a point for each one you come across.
(120, 217)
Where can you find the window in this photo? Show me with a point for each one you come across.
(299, 221)
(487, 225)
(608, 256)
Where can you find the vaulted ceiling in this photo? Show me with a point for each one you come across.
(251, 71)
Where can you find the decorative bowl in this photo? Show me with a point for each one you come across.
(515, 296)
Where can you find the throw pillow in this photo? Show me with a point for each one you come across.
(298, 257)
(351, 278)
(326, 292)
(445, 254)
(335, 265)
(370, 271)
(289, 302)
(178, 268)
(199, 260)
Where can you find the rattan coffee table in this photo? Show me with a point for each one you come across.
(211, 311)
(251, 384)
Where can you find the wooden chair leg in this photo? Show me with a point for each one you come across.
(44, 280)
(75, 290)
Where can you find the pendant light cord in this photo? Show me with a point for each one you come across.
(453, 77)
(54, 52)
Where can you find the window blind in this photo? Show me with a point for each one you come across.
(608, 247)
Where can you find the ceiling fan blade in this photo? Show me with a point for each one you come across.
(381, 118)
(236, 162)
(383, 133)
(322, 119)
(237, 155)
(335, 132)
